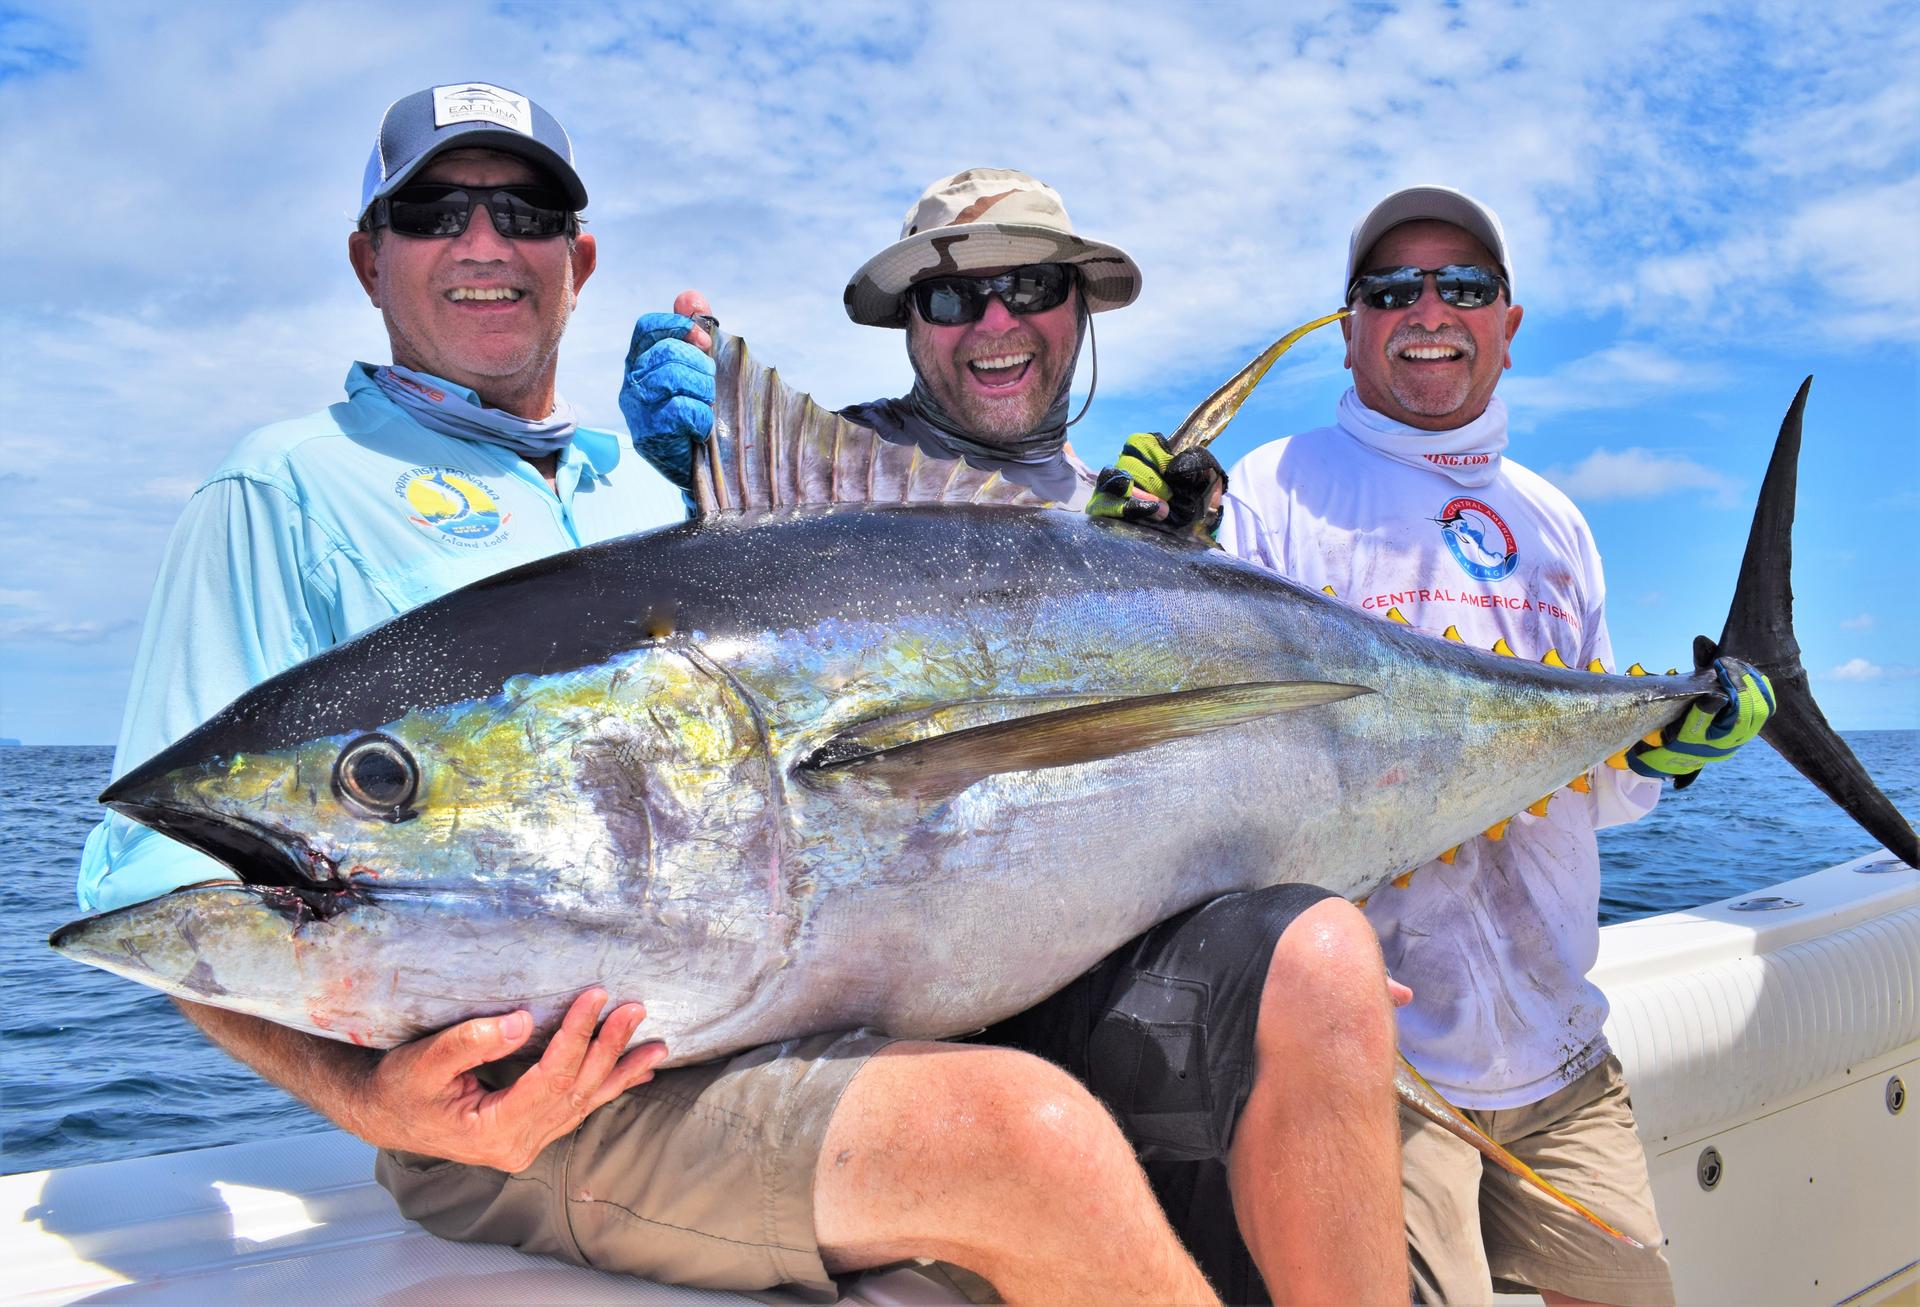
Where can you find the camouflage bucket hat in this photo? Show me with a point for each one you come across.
(979, 219)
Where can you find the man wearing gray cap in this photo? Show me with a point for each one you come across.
(1408, 506)
(1243, 1046)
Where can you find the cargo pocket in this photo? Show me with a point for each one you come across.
(1147, 1060)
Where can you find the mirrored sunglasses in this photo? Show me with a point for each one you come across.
(437, 211)
(954, 301)
(1463, 285)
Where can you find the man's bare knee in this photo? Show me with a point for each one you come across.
(977, 1109)
(940, 1144)
(1326, 981)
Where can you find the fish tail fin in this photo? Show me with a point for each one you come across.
(1759, 631)
(1424, 1100)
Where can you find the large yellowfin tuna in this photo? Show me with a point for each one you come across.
(805, 765)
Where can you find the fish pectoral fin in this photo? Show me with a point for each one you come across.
(1086, 732)
(1423, 1100)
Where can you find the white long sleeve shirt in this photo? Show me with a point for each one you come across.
(1495, 946)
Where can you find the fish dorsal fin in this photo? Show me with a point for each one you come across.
(773, 447)
(946, 763)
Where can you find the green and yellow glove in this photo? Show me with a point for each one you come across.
(1153, 486)
(1708, 734)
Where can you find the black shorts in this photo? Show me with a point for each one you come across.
(1162, 1032)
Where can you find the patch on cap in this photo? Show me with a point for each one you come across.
(481, 101)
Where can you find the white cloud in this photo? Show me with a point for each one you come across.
(37, 631)
(1860, 669)
(1619, 376)
(1636, 473)
(191, 283)
(1857, 669)
(1863, 622)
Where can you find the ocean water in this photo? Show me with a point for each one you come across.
(93, 1067)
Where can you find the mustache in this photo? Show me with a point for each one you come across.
(1017, 339)
(1450, 336)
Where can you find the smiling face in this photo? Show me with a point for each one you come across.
(479, 310)
(997, 377)
(1429, 365)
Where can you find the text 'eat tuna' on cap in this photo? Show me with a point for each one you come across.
(467, 116)
(1435, 203)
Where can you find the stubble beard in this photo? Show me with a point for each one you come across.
(991, 419)
(1415, 390)
(503, 382)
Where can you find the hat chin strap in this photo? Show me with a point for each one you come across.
(1093, 361)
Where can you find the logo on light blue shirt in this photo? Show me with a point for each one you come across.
(459, 507)
(1478, 540)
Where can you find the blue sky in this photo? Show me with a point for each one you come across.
(1705, 203)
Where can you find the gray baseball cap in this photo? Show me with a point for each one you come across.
(1439, 204)
(467, 116)
(986, 218)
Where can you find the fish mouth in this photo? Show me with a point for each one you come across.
(279, 864)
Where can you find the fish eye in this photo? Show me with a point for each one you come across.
(376, 775)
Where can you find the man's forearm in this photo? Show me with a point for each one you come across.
(328, 1076)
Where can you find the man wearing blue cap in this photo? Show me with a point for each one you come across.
(786, 1164)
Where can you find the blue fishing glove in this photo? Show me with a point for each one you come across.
(1711, 732)
(667, 396)
(1184, 483)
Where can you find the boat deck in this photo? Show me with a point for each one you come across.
(1770, 1028)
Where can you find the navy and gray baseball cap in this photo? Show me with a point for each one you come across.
(467, 116)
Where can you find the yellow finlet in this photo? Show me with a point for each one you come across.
(1673, 671)
(1328, 591)
(1652, 740)
(1498, 831)
(1553, 659)
(1538, 807)
(1403, 880)
(1580, 784)
(1597, 666)
(1361, 902)
(1619, 761)
(1395, 615)
(1504, 649)
(1452, 633)
(1450, 855)
(1636, 670)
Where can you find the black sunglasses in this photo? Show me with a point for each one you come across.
(528, 213)
(954, 301)
(1463, 285)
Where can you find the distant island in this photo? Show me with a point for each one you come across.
(7, 742)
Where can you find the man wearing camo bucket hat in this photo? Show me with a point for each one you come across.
(1243, 1048)
(993, 288)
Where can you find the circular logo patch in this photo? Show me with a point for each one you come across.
(1478, 540)
(455, 505)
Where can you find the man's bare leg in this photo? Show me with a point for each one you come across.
(999, 1162)
(1315, 1164)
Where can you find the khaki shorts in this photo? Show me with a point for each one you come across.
(702, 1176)
(1471, 1226)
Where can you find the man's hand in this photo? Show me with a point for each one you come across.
(423, 1097)
(1713, 727)
(666, 391)
(1151, 485)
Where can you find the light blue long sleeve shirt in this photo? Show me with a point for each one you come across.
(312, 531)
